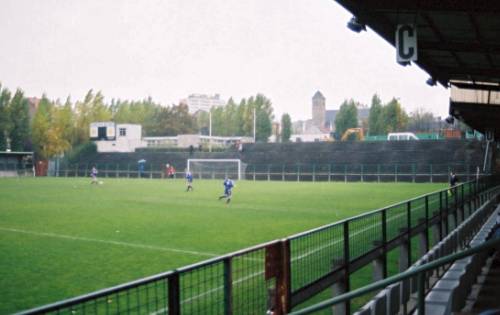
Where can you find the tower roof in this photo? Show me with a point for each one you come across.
(318, 95)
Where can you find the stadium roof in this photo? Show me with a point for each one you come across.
(458, 44)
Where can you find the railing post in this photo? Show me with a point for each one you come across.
(283, 172)
(455, 210)
(441, 217)
(380, 263)
(362, 173)
(329, 172)
(409, 233)
(378, 173)
(345, 173)
(228, 287)
(462, 202)
(431, 174)
(283, 284)
(343, 284)
(424, 236)
(413, 171)
(314, 173)
(268, 172)
(421, 293)
(277, 268)
(446, 211)
(298, 172)
(174, 304)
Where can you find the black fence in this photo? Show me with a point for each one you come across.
(288, 172)
(283, 274)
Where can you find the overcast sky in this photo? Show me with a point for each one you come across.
(168, 49)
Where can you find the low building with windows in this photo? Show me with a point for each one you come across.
(112, 137)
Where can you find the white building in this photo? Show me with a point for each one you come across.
(197, 102)
(111, 137)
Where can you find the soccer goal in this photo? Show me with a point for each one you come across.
(216, 168)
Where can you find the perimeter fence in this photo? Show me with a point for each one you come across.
(402, 172)
(283, 274)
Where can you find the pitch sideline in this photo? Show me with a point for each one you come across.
(85, 239)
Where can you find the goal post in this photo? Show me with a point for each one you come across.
(216, 168)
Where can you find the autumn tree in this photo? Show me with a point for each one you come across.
(40, 128)
(173, 120)
(19, 133)
(286, 127)
(422, 121)
(375, 118)
(395, 118)
(347, 117)
(5, 123)
(91, 109)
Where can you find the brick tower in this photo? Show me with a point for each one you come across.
(318, 110)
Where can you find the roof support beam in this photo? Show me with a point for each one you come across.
(459, 47)
(441, 38)
(450, 71)
(484, 6)
(476, 86)
(479, 38)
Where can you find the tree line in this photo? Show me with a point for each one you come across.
(56, 127)
(384, 118)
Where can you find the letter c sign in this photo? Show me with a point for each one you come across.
(406, 42)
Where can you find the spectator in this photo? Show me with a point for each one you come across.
(140, 165)
(170, 171)
(453, 181)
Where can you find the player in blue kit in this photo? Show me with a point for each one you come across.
(93, 173)
(228, 187)
(189, 181)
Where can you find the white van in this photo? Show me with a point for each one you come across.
(401, 136)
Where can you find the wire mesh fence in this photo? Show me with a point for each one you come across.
(282, 172)
(284, 273)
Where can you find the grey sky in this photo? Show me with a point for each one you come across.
(168, 49)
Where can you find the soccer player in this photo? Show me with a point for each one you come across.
(228, 187)
(93, 173)
(453, 182)
(189, 181)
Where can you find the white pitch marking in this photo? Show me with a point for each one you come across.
(86, 239)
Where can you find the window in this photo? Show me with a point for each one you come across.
(123, 132)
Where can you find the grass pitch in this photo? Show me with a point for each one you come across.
(64, 237)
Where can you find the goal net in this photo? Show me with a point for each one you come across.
(217, 168)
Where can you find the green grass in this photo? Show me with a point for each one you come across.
(64, 237)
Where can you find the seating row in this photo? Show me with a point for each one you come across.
(450, 291)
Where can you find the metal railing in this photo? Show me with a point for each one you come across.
(282, 274)
(419, 272)
(287, 172)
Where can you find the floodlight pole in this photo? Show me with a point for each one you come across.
(254, 124)
(210, 130)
